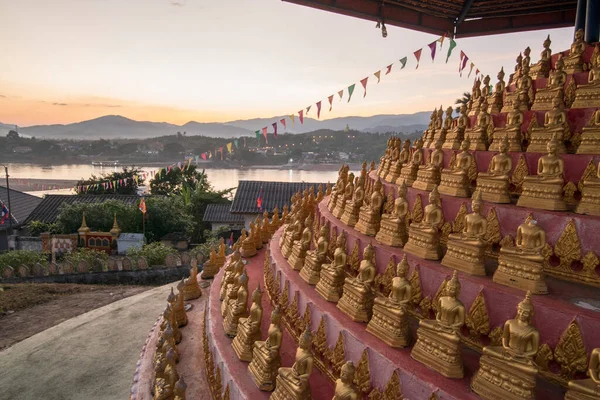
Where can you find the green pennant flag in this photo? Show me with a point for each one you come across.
(350, 91)
(403, 62)
(236, 143)
(257, 135)
(452, 46)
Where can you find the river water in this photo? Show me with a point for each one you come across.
(219, 178)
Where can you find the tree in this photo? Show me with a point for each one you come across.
(126, 183)
(466, 97)
(13, 135)
(201, 198)
(172, 181)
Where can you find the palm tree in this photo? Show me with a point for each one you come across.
(466, 97)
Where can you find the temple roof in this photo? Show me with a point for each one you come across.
(470, 17)
(219, 213)
(273, 194)
(22, 205)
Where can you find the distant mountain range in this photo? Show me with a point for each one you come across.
(116, 126)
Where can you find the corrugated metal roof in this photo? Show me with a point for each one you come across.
(219, 213)
(49, 208)
(22, 205)
(273, 194)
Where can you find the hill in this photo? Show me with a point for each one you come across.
(116, 126)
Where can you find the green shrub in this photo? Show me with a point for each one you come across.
(87, 255)
(155, 253)
(16, 258)
(38, 227)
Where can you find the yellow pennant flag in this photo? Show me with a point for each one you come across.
(341, 94)
(229, 146)
(292, 118)
(378, 75)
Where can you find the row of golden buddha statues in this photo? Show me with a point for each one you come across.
(438, 343)
(167, 384)
(545, 190)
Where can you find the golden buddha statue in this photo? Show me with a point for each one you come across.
(509, 371)
(445, 126)
(511, 131)
(344, 385)
(180, 388)
(430, 132)
(574, 61)
(542, 68)
(344, 197)
(210, 268)
(179, 305)
(403, 158)
(554, 88)
(257, 234)
(438, 343)
(545, 190)
(296, 259)
(264, 228)
(248, 246)
(476, 98)
(390, 314)
(293, 234)
(523, 91)
(588, 96)
(220, 256)
(590, 197)
(319, 194)
(285, 215)
(384, 167)
(479, 134)
(555, 124)
(408, 174)
(165, 382)
(292, 383)
(494, 185)
(352, 208)
(455, 180)
(438, 125)
(514, 77)
(423, 237)
(358, 293)
(393, 159)
(274, 224)
(311, 270)
(497, 98)
(232, 289)
(338, 190)
(522, 266)
(232, 268)
(331, 282)
(266, 359)
(248, 329)
(191, 290)
(428, 175)
(392, 231)
(587, 389)
(237, 309)
(526, 57)
(370, 214)
(466, 249)
(455, 137)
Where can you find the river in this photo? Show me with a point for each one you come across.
(219, 178)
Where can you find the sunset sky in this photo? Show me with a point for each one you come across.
(66, 61)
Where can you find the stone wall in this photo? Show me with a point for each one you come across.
(25, 243)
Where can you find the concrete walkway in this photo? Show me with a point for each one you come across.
(92, 356)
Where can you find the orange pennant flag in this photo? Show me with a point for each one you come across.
(418, 57)
(341, 94)
(292, 118)
(330, 98)
(378, 75)
(363, 82)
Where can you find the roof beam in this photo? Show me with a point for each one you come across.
(463, 13)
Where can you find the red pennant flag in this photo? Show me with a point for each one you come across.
(318, 110)
(363, 82)
(301, 116)
(330, 98)
(274, 129)
(433, 48)
(264, 132)
(389, 69)
(282, 120)
(259, 200)
(203, 155)
(476, 72)
(463, 62)
(418, 57)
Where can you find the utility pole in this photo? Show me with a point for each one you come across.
(8, 195)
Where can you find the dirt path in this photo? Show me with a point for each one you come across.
(31, 308)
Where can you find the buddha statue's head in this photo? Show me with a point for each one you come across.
(285, 208)
(486, 80)
(419, 144)
(171, 296)
(243, 279)
(560, 63)
(402, 189)
(504, 145)
(402, 267)
(464, 146)
(527, 51)
(552, 145)
(180, 388)
(306, 339)
(309, 220)
(501, 74)
(257, 294)
(351, 177)
(377, 185)
(476, 202)
(368, 252)
(434, 196)
(547, 42)
(519, 59)
(440, 111)
(463, 109)
(579, 35)
(438, 144)
(159, 364)
(406, 144)
(324, 232)
(276, 315)
(340, 241)
(347, 372)
(170, 357)
(453, 286)
(168, 333)
(525, 309)
(449, 112)
(361, 181)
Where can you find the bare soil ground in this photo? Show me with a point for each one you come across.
(27, 309)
